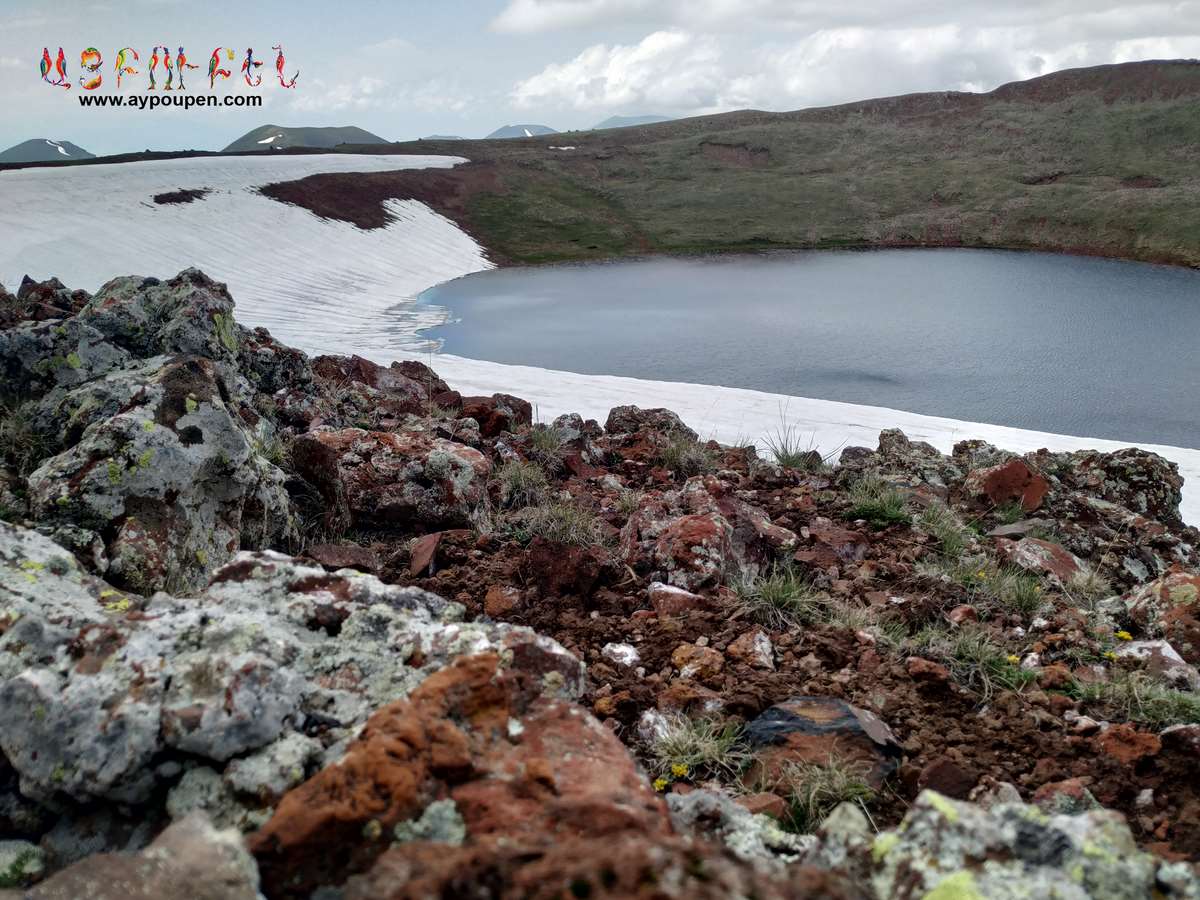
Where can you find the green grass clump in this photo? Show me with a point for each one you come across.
(1089, 586)
(629, 501)
(791, 452)
(973, 657)
(1136, 697)
(781, 598)
(1003, 588)
(939, 522)
(521, 484)
(21, 445)
(878, 502)
(701, 747)
(813, 791)
(1010, 513)
(684, 457)
(546, 446)
(559, 522)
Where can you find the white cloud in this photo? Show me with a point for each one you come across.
(685, 72)
(10, 62)
(672, 69)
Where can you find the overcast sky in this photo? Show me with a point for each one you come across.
(407, 68)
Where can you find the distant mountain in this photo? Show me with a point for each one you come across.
(44, 150)
(520, 131)
(627, 121)
(275, 137)
(444, 137)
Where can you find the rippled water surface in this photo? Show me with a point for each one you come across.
(1055, 343)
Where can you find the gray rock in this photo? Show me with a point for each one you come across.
(956, 849)
(97, 686)
(756, 839)
(189, 861)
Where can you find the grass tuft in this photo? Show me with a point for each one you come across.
(1136, 697)
(782, 598)
(546, 446)
(790, 452)
(684, 457)
(973, 657)
(559, 522)
(939, 522)
(704, 746)
(878, 502)
(21, 446)
(815, 790)
(521, 484)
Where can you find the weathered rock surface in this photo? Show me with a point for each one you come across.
(521, 768)
(1170, 606)
(189, 861)
(96, 684)
(384, 478)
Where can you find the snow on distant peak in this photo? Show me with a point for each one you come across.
(57, 146)
(528, 133)
(270, 139)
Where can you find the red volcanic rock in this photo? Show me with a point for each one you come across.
(920, 669)
(672, 601)
(623, 865)
(695, 550)
(424, 553)
(1008, 482)
(497, 413)
(501, 600)
(832, 545)
(1171, 604)
(559, 570)
(522, 770)
(947, 777)
(344, 556)
(754, 649)
(766, 804)
(1127, 745)
(1041, 557)
(386, 478)
(815, 730)
(396, 393)
(1070, 796)
(697, 663)
(963, 613)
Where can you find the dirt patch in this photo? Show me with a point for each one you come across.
(359, 197)
(184, 195)
(1142, 181)
(736, 154)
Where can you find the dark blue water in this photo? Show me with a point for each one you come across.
(1057, 343)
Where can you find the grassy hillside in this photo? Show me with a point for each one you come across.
(1101, 160)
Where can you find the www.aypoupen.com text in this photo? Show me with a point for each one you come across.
(184, 101)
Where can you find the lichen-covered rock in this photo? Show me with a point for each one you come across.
(702, 535)
(1042, 558)
(632, 419)
(97, 685)
(948, 849)
(189, 860)
(1138, 480)
(158, 457)
(1170, 606)
(382, 478)
(755, 839)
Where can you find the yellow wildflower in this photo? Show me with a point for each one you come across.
(1108, 654)
(1013, 658)
(679, 770)
(660, 784)
(1123, 636)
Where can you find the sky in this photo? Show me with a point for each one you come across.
(408, 68)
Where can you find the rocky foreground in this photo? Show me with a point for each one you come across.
(293, 628)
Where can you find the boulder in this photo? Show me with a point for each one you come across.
(947, 848)
(1138, 480)
(1010, 482)
(1042, 558)
(98, 687)
(632, 419)
(514, 767)
(189, 861)
(702, 535)
(159, 458)
(497, 413)
(818, 731)
(403, 478)
(1170, 606)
